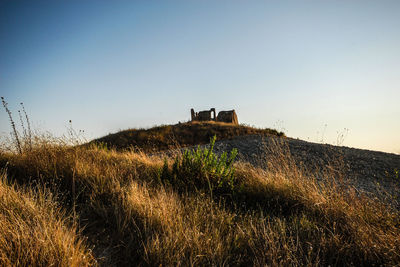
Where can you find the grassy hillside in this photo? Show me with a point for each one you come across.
(178, 135)
(88, 205)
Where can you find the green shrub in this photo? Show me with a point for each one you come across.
(202, 168)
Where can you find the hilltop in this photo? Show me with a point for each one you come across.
(166, 137)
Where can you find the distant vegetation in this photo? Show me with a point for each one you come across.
(178, 135)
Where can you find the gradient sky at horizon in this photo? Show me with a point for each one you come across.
(309, 68)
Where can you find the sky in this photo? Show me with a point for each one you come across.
(321, 71)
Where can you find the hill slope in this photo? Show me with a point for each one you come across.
(369, 171)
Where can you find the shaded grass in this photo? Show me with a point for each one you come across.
(279, 216)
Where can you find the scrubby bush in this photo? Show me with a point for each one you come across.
(197, 168)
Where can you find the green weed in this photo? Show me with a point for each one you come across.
(196, 168)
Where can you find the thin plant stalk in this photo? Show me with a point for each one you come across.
(29, 125)
(17, 142)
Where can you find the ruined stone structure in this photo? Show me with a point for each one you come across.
(228, 116)
(209, 115)
(205, 115)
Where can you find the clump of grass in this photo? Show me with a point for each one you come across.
(34, 231)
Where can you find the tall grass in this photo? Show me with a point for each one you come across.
(196, 209)
(34, 230)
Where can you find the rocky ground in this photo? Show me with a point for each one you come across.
(372, 172)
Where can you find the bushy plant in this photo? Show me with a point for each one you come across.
(202, 168)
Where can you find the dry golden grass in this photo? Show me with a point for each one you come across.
(278, 216)
(35, 232)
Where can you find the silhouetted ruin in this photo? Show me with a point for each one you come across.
(228, 116)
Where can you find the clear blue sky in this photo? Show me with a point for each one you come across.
(292, 65)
